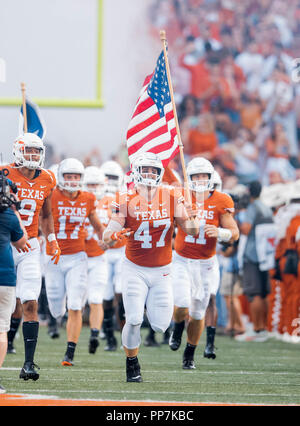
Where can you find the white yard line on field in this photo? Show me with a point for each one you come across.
(86, 370)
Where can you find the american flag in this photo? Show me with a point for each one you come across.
(152, 126)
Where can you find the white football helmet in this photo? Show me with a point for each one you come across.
(94, 176)
(70, 165)
(147, 159)
(217, 181)
(114, 176)
(196, 166)
(28, 140)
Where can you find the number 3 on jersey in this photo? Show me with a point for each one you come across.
(143, 233)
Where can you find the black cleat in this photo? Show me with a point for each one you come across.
(93, 345)
(111, 345)
(188, 364)
(67, 362)
(166, 338)
(28, 371)
(10, 348)
(133, 372)
(53, 332)
(151, 341)
(174, 342)
(209, 351)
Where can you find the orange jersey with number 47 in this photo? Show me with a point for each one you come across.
(69, 219)
(152, 224)
(210, 210)
(32, 194)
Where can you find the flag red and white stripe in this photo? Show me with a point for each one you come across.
(152, 127)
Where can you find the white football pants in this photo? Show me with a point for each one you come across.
(114, 264)
(66, 283)
(29, 273)
(145, 287)
(97, 279)
(194, 280)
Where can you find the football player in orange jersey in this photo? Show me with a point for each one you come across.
(148, 214)
(195, 265)
(281, 220)
(94, 181)
(66, 282)
(276, 197)
(115, 254)
(35, 186)
(291, 266)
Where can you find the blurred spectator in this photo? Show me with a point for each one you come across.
(255, 279)
(188, 111)
(231, 289)
(228, 42)
(199, 78)
(278, 145)
(251, 110)
(121, 157)
(93, 158)
(245, 155)
(273, 54)
(278, 167)
(200, 138)
(251, 62)
(278, 95)
(275, 177)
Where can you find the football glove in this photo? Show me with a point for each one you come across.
(121, 235)
(54, 251)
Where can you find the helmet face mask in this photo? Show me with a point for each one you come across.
(202, 167)
(72, 182)
(199, 184)
(114, 176)
(94, 181)
(29, 151)
(112, 183)
(147, 170)
(152, 178)
(70, 175)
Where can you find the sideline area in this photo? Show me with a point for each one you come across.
(34, 400)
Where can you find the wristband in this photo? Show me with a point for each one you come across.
(51, 237)
(224, 234)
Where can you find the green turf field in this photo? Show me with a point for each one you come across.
(261, 373)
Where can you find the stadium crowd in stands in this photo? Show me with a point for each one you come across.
(232, 66)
